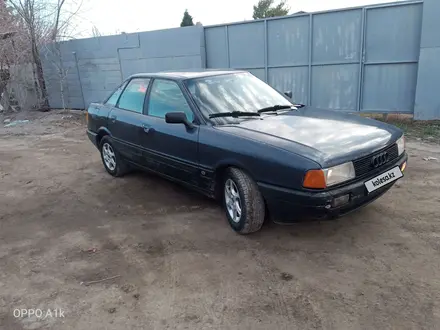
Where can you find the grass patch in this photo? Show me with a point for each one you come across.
(425, 130)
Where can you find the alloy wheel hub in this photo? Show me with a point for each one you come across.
(233, 201)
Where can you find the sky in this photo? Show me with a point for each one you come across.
(116, 16)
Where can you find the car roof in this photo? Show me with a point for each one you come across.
(187, 74)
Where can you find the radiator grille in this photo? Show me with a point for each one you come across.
(364, 165)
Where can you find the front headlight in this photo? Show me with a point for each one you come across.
(401, 145)
(339, 173)
(319, 179)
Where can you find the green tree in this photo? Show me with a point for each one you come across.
(187, 19)
(266, 8)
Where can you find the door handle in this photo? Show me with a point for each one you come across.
(113, 118)
(147, 128)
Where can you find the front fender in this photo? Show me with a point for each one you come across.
(263, 162)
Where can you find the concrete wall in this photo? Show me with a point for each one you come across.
(22, 85)
(92, 68)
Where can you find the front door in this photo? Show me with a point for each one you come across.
(126, 119)
(172, 147)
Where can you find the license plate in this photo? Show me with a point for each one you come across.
(384, 179)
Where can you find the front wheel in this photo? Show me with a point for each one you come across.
(243, 202)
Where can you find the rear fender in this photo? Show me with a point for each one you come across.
(102, 131)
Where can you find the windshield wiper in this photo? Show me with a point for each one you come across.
(234, 114)
(275, 108)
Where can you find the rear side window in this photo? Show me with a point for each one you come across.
(134, 95)
(113, 99)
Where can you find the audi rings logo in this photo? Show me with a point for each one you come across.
(379, 159)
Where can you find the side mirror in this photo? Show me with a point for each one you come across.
(178, 118)
(288, 94)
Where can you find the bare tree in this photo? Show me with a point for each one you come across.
(5, 35)
(14, 51)
(5, 73)
(46, 22)
(32, 14)
(95, 32)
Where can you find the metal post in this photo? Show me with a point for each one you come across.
(266, 52)
(309, 91)
(79, 79)
(361, 59)
(227, 46)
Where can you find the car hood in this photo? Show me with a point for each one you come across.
(327, 137)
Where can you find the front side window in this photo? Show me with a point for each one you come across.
(134, 95)
(233, 92)
(113, 99)
(166, 96)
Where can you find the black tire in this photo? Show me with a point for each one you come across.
(252, 203)
(121, 167)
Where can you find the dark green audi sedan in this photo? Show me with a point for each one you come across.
(232, 137)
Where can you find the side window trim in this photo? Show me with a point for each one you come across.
(198, 118)
(145, 96)
(124, 84)
(150, 81)
(188, 102)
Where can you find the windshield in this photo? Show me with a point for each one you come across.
(233, 92)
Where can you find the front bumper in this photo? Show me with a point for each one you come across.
(286, 205)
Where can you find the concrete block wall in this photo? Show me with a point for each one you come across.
(172, 49)
(94, 67)
(68, 77)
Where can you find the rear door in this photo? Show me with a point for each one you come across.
(126, 118)
(172, 147)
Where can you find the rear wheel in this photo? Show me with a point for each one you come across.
(111, 159)
(243, 203)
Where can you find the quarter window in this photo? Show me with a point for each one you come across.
(166, 96)
(113, 99)
(134, 95)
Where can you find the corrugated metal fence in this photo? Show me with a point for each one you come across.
(361, 59)
(355, 59)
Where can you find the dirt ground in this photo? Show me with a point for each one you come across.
(65, 222)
